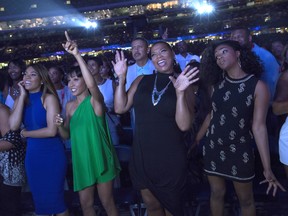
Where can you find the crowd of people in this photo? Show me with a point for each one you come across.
(228, 101)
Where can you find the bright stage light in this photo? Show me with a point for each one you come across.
(204, 8)
(89, 24)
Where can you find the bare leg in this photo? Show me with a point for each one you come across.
(153, 206)
(218, 190)
(244, 192)
(87, 201)
(105, 191)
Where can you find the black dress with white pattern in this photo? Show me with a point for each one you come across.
(228, 148)
(12, 167)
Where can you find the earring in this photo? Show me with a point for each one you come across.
(239, 62)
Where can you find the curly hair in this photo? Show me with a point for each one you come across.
(212, 73)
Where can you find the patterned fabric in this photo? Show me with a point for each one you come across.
(12, 161)
(228, 150)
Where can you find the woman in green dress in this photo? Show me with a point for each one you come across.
(94, 159)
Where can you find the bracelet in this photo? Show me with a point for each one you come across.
(21, 133)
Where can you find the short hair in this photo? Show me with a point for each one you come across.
(97, 59)
(245, 28)
(142, 39)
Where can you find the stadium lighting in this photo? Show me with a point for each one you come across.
(204, 8)
(89, 24)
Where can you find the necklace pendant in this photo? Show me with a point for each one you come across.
(158, 94)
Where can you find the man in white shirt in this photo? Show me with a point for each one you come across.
(183, 58)
(143, 65)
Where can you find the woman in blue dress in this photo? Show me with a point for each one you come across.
(45, 161)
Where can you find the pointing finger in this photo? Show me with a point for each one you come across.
(67, 36)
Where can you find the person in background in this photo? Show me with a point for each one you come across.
(12, 174)
(143, 65)
(270, 76)
(183, 58)
(239, 106)
(94, 159)
(56, 75)
(280, 107)
(107, 89)
(16, 68)
(271, 67)
(277, 49)
(3, 85)
(45, 161)
(163, 110)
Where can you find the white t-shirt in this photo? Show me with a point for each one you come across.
(134, 71)
(184, 61)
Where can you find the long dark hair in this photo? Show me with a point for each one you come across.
(212, 73)
(47, 86)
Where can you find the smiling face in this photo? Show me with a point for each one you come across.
(14, 72)
(226, 57)
(76, 84)
(162, 57)
(94, 67)
(32, 80)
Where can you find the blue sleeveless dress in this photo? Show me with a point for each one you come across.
(45, 161)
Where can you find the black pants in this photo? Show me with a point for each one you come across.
(10, 200)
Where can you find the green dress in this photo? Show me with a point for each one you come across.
(94, 158)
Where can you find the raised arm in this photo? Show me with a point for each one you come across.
(15, 118)
(123, 100)
(97, 98)
(185, 97)
(260, 134)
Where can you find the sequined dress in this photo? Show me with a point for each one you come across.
(228, 149)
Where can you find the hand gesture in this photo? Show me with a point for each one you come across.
(23, 92)
(120, 64)
(272, 182)
(58, 120)
(165, 34)
(70, 46)
(185, 79)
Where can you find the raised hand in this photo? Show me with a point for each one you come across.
(185, 79)
(120, 64)
(70, 46)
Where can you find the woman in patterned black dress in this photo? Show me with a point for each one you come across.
(239, 106)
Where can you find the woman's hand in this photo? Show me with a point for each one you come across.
(185, 79)
(58, 120)
(23, 92)
(272, 182)
(120, 64)
(70, 46)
